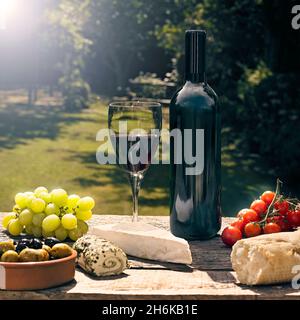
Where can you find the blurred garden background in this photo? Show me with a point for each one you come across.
(62, 61)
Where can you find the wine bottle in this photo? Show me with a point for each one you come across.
(195, 194)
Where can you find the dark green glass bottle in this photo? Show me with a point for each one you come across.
(195, 210)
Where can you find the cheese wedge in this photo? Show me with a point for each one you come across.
(267, 259)
(145, 241)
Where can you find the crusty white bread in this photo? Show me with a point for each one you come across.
(266, 259)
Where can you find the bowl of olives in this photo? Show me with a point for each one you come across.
(32, 264)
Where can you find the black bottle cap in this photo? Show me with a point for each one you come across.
(195, 55)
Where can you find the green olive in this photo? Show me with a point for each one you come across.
(6, 245)
(32, 255)
(47, 248)
(60, 250)
(10, 256)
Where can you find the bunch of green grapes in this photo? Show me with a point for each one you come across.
(49, 214)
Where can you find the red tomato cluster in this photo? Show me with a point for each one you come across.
(265, 215)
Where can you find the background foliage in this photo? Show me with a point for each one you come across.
(80, 47)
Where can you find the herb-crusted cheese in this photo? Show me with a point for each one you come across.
(100, 257)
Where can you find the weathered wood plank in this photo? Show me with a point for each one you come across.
(158, 284)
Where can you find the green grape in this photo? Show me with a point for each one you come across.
(52, 208)
(37, 231)
(69, 221)
(84, 215)
(14, 227)
(38, 218)
(82, 226)
(47, 234)
(29, 193)
(59, 197)
(29, 199)
(73, 200)
(50, 223)
(37, 205)
(28, 229)
(39, 190)
(20, 200)
(45, 196)
(17, 208)
(61, 233)
(75, 234)
(86, 203)
(7, 218)
(25, 217)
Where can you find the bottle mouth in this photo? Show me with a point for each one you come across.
(198, 31)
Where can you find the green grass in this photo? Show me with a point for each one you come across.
(43, 145)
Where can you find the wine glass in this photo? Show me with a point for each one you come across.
(135, 133)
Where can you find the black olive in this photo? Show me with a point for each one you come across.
(35, 244)
(51, 241)
(20, 246)
(25, 241)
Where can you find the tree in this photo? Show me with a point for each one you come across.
(106, 42)
(68, 19)
(123, 40)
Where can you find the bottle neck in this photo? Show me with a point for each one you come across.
(195, 41)
(195, 78)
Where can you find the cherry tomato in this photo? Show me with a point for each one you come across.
(231, 235)
(250, 216)
(284, 225)
(267, 197)
(282, 222)
(282, 206)
(293, 217)
(242, 212)
(259, 206)
(271, 227)
(239, 223)
(252, 229)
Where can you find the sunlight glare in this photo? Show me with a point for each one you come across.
(6, 8)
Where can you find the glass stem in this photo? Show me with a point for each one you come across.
(135, 181)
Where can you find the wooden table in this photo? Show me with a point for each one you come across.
(209, 277)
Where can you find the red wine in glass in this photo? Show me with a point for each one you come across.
(135, 148)
(135, 153)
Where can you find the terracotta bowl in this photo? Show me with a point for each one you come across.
(37, 275)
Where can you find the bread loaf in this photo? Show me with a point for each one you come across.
(266, 259)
